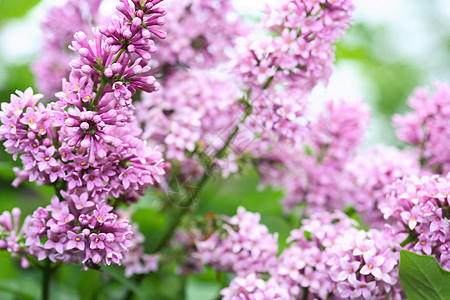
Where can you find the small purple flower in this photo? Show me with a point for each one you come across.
(348, 270)
(97, 241)
(55, 241)
(30, 118)
(373, 266)
(81, 201)
(93, 180)
(128, 177)
(45, 159)
(76, 240)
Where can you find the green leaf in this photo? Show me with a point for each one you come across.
(422, 277)
(14, 9)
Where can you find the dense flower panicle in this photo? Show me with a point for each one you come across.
(59, 26)
(339, 129)
(11, 237)
(190, 43)
(251, 287)
(77, 230)
(304, 262)
(123, 165)
(118, 54)
(314, 170)
(301, 51)
(245, 247)
(27, 128)
(426, 127)
(420, 207)
(96, 140)
(88, 144)
(371, 172)
(194, 112)
(277, 117)
(364, 265)
(329, 255)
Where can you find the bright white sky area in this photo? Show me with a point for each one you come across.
(410, 25)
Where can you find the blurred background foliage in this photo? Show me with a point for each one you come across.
(382, 70)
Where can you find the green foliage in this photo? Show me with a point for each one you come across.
(12, 279)
(14, 9)
(422, 277)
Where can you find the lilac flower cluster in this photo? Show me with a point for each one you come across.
(328, 258)
(304, 264)
(78, 230)
(251, 287)
(246, 246)
(420, 207)
(426, 127)
(88, 144)
(314, 171)
(11, 237)
(59, 26)
(365, 265)
(193, 113)
(276, 119)
(99, 160)
(301, 51)
(371, 172)
(191, 43)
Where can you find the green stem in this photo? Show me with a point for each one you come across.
(118, 55)
(46, 277)
(268, 82)
(411, 237)
(104, 81)
(305, 293)
(99, 92)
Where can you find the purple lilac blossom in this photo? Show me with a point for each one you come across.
(195, 111)
(11, 237)
(426, 127)
(299, 49)
(91, 235)
(313, 171)
(192, 44)
(329, 255)
(245, 247)
(372, 171)
(419, 207)
(59, 26)
(252, 287)
(88, 144)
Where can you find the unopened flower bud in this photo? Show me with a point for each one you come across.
(84, 126)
